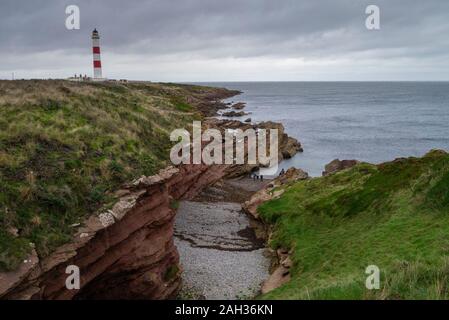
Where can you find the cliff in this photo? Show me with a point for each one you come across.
(126, 252)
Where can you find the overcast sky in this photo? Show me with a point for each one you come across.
(228, 40)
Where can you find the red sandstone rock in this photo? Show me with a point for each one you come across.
(132, 257)
(338, 165)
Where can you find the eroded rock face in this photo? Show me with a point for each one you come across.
(280, 274)
(338, 165)
(127, 252)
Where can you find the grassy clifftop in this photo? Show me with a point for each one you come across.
(394, 215)
(65, 146)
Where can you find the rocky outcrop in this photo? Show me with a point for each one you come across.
(209, 103)
(291, 175)
(280, 273)
(126, 252)
(338, 165)
(234, 113)
(239, 105)
(288, 146)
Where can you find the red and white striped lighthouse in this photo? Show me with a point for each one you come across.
(96, 54)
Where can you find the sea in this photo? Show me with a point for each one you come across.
(368, 121)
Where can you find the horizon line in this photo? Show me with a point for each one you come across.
(230, 81)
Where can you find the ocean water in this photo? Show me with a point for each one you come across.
(368, 121)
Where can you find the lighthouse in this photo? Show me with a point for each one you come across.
(96, 55)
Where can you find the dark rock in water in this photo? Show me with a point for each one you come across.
(234, 114)
(248, 120)
(239, 106)
(338, 165)
(288, 146)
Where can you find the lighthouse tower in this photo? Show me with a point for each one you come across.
(96, 54)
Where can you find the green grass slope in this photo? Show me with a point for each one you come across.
(394, 215)
(66, 146)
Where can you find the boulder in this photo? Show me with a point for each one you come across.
(292, 175)
(239, 106)
(338, 165)
(290, 147)
(234, 113)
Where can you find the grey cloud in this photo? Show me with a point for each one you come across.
(213, 29)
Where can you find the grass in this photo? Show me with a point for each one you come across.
(66, 146)
(394, 215)
(171, 272)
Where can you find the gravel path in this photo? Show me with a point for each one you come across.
(219, 253)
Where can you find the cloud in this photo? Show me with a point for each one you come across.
(188, 39)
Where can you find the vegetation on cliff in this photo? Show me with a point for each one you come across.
(66, 146)
(394, 215)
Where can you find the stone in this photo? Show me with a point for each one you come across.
(13, 231)
(280, 276)
(106, 218)
(239, 105)
(120, 209)
(338, 165)
(287, 262)
(12, 278)
(292, 175)
(234, 114)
